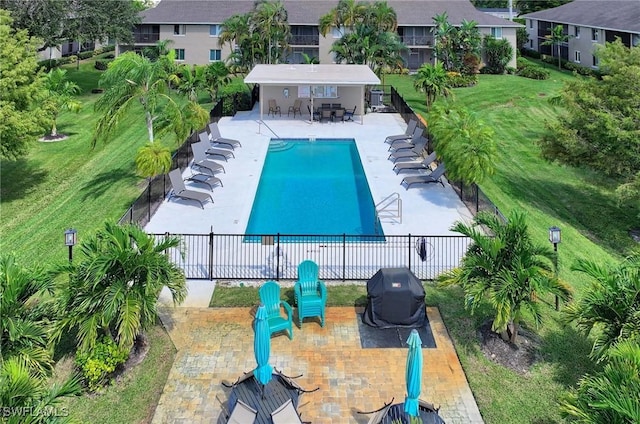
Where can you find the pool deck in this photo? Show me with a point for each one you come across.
(216, 344)
(430, 209)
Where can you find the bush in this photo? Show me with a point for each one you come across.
(86, 55)
(47, 64)
(100, 363)
(68, 59)
(100, 65)
(497, 53)
(521, 62)
(534, 72)
(456, 79)
(530, 53)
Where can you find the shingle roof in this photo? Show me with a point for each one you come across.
(607, 14)
(308, 12)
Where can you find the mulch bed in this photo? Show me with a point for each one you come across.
(518, 357)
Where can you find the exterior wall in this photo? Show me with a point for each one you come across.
(584, 44)
(348, 97)
(325, 44)
(508, 34)
(196, 43)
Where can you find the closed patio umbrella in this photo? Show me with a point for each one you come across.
(413, 373)
(262, 347)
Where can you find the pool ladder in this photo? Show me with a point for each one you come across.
(390, 208)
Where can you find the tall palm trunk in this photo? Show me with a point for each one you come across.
(149, 125)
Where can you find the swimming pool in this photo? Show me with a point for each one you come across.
(313, 187)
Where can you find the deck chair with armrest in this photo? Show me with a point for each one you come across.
(338, 115)
(242, 414)
(202, 162)
(310, 292)
(180, 191)
(407, 134)
(269, 294)
(274, 108)
(216, 138)
(434, 177)
(349, 114)
(325, 114)
(314, 116)
(212, 151)
(414, 153)
(295, 108)
(416, 165)
(407, 144)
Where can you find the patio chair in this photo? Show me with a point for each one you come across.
(286, 414)
(270, 298)
(415, 165)
(338, 115)
(414, 153)
(315, 116)
(325, 114)
(297, 105)
(206, 179)
(348, 114)
(180, 191)
(310, 292)
(200, 160)
(407, 144)
(212, 151)
(242, 414)
(434, 177)
(407, 134)
(274, 108)
(217, 138)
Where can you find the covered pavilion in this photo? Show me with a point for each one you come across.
(334, 83)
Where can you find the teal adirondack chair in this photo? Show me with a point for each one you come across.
(270, 298)
(310, 292)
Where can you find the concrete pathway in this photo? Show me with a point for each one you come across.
(216, 344)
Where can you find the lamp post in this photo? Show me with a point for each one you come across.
(555, 237)
(70, 239)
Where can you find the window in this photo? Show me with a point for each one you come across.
(335, 33)
(594, 34)
(214, 30)
(595, 61)
(179, 54)
(530, 24)
(179, 29)
(576, 56)
(214, 55)
(576, 31)
(496, 32)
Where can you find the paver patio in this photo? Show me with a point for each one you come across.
(216, 344)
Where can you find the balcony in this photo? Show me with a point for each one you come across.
(421, 40)
(304, 40)
(150, 38)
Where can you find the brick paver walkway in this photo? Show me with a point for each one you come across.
(216, 344)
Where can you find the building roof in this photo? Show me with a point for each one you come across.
(308, 12)
(616, 15)
(312, 75)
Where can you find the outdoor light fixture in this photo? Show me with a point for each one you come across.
(555, 237)
(70, 239)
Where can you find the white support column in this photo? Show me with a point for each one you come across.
(260, 99)
(362, 109)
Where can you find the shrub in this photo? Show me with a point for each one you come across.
(530, 53)
(521, 62)
(100, 65)
(456, 79)
(534, 72)
(47, 64)
(100, 363)
(497, 53)
(68, 59)
(86, 55)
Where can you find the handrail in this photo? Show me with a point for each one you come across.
(261, 122)
(390, 207)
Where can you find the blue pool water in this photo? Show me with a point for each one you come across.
(313, 187)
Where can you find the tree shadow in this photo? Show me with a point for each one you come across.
(568, 349)
(19, 178)
(104, 181)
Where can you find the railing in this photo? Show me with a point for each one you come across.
(304, 40)
(146, 38)
(341, 257)
(390, 207)
(422, 40)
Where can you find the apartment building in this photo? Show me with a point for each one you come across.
(194, 27)
(587, 23)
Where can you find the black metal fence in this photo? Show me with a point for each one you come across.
(143, 208)
(340, 257)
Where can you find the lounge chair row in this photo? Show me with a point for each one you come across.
(204, 168)
(412, 145)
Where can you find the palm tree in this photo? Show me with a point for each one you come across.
(464, 143)
(381, 16)
(191, 80)
(216, 76)
(113, 291)
(130, 80)
(507, 269)
(24, 317)
(234, 31)
(60, 95)
(432, 80)
(344, 16)
(610, 309)
(556, 38)
(270, 19)
(443, 34)
(609, 396)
